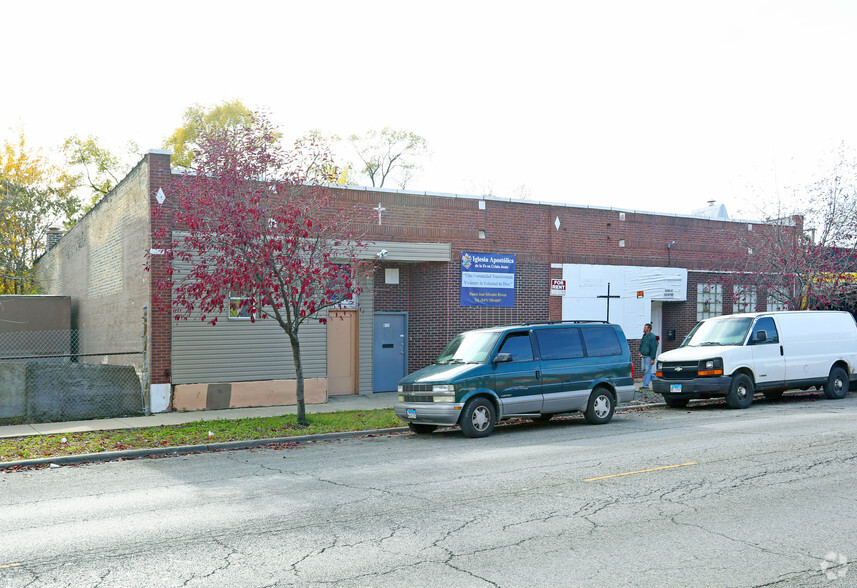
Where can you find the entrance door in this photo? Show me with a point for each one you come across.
(658, 322)
(389, 351)
(342, 352)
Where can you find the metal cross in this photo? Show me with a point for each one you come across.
(608, 297)
(380, 209)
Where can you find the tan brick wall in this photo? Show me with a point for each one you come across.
(100, 263)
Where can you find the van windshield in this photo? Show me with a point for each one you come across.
(731, 331)
(471, 347)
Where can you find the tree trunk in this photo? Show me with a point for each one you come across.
(299, 375)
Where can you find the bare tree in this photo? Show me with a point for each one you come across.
(391, 151)
(802, 255)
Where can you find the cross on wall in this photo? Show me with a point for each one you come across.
(608, 297)
(380, 209)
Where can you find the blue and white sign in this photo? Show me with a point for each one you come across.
(487, 279)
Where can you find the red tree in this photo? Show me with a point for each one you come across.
(803, 256)
(254, 233)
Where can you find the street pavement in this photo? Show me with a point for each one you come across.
(705, 496)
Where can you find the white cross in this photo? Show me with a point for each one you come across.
(380, 209)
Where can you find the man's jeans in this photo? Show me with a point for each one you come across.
(647, 371)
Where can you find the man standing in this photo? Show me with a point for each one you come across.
(648, 351)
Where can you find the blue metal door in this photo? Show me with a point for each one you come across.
(389, 351)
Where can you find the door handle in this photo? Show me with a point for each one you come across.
(538, 376)
(781, 350)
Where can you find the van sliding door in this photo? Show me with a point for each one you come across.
(518, 382)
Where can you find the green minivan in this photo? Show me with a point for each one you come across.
(531, 370)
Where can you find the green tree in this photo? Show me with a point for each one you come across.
(97, 168)
(196, 119)
(388, 154)
(34, 195)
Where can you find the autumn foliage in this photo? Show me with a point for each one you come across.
(252, 229)
(803, 256)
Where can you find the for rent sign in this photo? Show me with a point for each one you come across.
(487, 279)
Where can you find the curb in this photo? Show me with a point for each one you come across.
(211, 447)
(185, 449)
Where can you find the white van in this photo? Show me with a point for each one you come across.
(736, 355)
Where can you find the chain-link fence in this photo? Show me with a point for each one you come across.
(48, 376)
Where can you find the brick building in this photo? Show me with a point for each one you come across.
(660, 268)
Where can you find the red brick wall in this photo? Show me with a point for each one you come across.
(160, 321)
(429, 292)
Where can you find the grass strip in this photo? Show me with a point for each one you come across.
(195, 433)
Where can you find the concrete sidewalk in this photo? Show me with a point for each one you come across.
(334, 404)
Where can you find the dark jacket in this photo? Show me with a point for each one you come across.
(649, 345)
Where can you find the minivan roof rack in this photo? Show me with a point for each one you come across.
(570, 322)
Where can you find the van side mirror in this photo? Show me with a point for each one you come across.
(502, 357)
(761, 336)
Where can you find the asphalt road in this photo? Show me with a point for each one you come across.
(700, 497)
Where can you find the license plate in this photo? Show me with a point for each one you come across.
(675, 387)
(412, 413)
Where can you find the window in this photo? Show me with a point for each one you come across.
(470, 347)
(242, 308)
(518, 346)
(709, 301)
(343, 282)
(728, 331)
(743, 299)
(601, 342)
(561, 343)
(765, 324)
(777, 301)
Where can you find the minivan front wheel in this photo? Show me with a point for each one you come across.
(600, 408)
(478, 418)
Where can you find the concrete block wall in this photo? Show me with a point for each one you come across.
(100, 264)
(45, 392)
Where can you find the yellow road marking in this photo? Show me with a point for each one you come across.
(9, 565)
(680, 465)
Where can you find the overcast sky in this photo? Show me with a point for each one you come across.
(653, 105)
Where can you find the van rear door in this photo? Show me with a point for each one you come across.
(566, 378)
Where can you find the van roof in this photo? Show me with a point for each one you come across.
(499, 328)
(776, 313)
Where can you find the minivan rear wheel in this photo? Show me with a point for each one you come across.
(478, 418)
(837, 384)
(600, 408)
